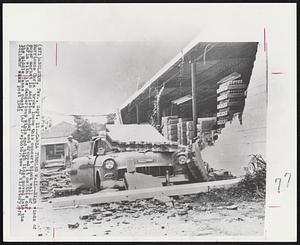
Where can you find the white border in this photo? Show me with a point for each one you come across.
(149, 22)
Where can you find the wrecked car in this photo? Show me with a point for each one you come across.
(136, 148)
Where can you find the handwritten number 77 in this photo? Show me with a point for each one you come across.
(278, 181)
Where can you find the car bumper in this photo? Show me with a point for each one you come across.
(181, 178)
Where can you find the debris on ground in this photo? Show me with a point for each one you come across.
(181, 205)
(219, 211)
(54, 182)
(164, 200)
(73, 226)
(232, 207)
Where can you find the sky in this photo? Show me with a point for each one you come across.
(97, 77)
(107, 50)
(129, 46)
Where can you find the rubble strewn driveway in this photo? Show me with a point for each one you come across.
(193, 215)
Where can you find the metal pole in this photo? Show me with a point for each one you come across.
(157, 111)
(137, 114)
(194, 102)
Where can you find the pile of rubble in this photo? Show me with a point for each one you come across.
(54, 182)
(183, 206)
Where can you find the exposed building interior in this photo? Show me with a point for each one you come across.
(190, 82)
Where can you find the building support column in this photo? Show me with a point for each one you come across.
(119, 115)
(194, 102)
(158, 105)
(137, 114)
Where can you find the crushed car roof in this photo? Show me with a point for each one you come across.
(135, 132)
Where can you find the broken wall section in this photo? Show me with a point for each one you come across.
(237, 141)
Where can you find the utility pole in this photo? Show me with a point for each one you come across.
(194, 102)
(137, 114)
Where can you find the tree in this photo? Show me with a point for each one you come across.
(98, 126)
(84, 129)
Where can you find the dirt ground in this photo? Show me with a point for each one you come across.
(192, 216)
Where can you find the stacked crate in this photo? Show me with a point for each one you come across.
(205, 126)
(169, 127)
(189, 132)
(231, 98)
(172, 130)
(181, 130)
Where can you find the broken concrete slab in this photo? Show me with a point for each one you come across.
(107, 213)
(232, 207)
(183, 212)
(164, 200)
(131, 195)
(73, 226)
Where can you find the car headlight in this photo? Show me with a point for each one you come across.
(182, 160)
(109, 164)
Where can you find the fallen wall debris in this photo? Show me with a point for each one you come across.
(237, 141)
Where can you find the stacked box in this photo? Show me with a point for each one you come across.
(231, 94)
(234, 84)
(181, 120)
(181, 132)
(172, 130)
(165, 120)
(179, 140)
(169, 127)
(231, 103)
(165, 123)
(189, 132)
(231, 98)
(206, 127)
(206, 124)
(189, 126)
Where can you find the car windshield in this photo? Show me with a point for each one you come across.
(101, 146)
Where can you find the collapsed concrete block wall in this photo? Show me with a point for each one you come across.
(237, 141)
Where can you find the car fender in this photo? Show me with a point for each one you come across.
(82, 173)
